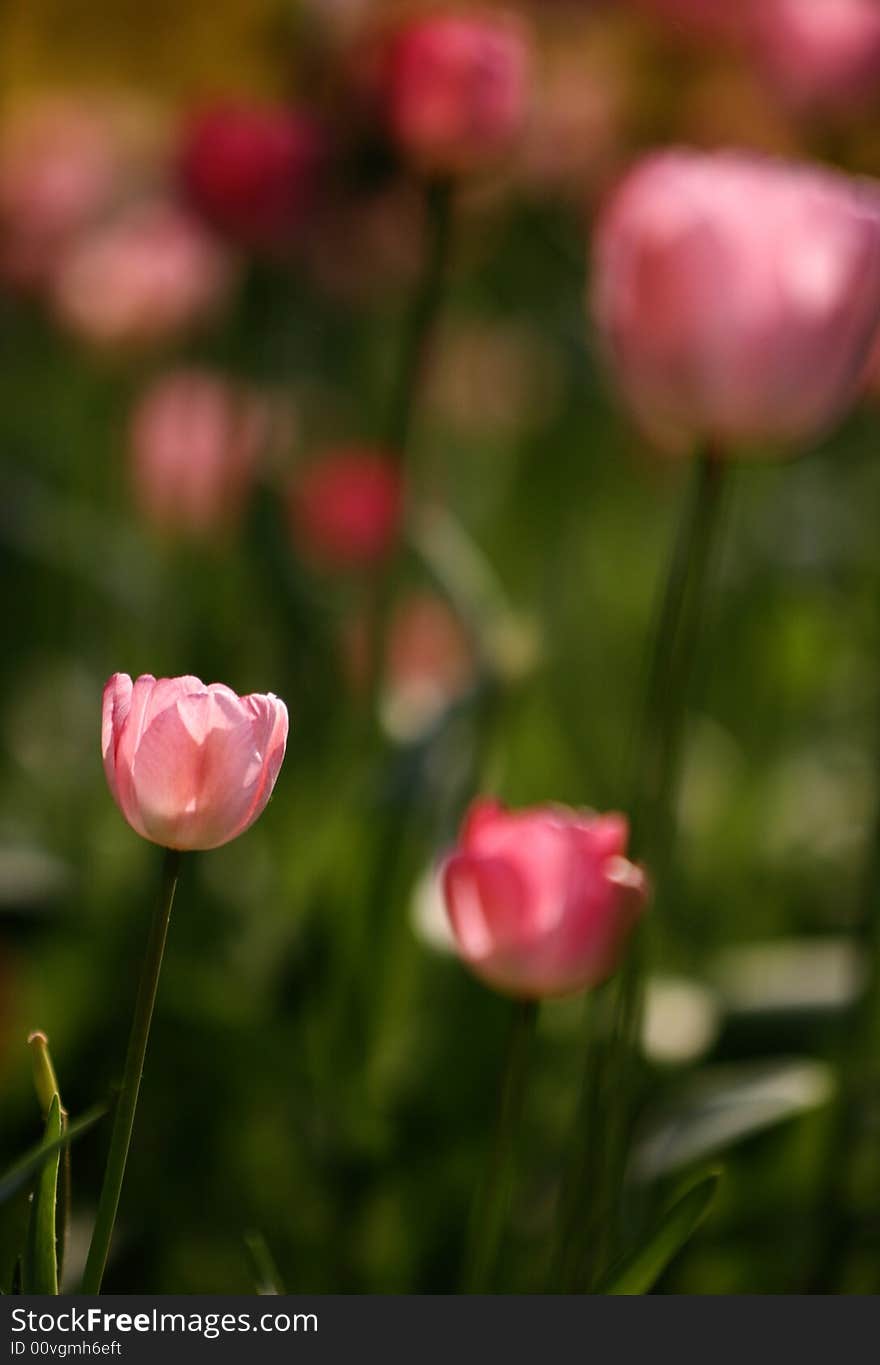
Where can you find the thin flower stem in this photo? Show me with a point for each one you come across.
(492, 1202)
(590, 1202)
(126, 1105)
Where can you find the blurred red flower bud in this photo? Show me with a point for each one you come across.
(542, 901)
(195, 439)
(457, 89)
(737, 297)
(147, 275)
(190, 766)
(252, 170)
(346, 508)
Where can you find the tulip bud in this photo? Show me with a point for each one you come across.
(190, 766)
(195, 441)
(346, 509)
(737, 297)
(542, 901)
(457, 90)
(252, 170)
(144, 277)
(820, 54)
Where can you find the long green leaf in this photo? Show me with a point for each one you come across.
(41, 1259)
(639, 1271)
(264, 1271)
(21, 1171)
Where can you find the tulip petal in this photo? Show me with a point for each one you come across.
(115, 709)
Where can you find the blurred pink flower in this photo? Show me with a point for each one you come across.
(429, 662)
(458, 89)
(195, 439)
(820, 54)
(542, 901)
(575, 132)
(737, 297)
(252, 170)
(346, 508)
(145, 276)
(190, 766)
(57, 170)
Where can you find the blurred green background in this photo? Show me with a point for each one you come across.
(319, 1069)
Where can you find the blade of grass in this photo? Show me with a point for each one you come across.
(41, 1258)
(261, 1263)
(639, 1270)
(21, 1171)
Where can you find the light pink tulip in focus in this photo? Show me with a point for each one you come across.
(458, 89)
(190, 766)
(820, 54)
(542, 901)
(144, 277)
(737, 297)
(195, 442)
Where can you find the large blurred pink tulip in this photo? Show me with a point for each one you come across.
(542, 901)
(195, 441)
(737, 297)
(458, 89)
(346, 509)
(190, 766)
(252, 170)
(820, 54)
(142, 278)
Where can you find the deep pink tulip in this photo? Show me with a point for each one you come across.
(195, 441)
(143, 277)
(190, 766)
(542, 901)
(737, 297)
(458, 89)
(820, 54)
(252, 170)
(346, 509)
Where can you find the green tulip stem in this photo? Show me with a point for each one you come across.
(592, 1190)
(492, 1202)
(126, 1104)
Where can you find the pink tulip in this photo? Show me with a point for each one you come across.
(145, 276)
(737, 297)
(57, 171)
(346, 509)
(252, 170)
(542, 901)
(195, 442)
(820, 54)
(458, 89)
(190, 766)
